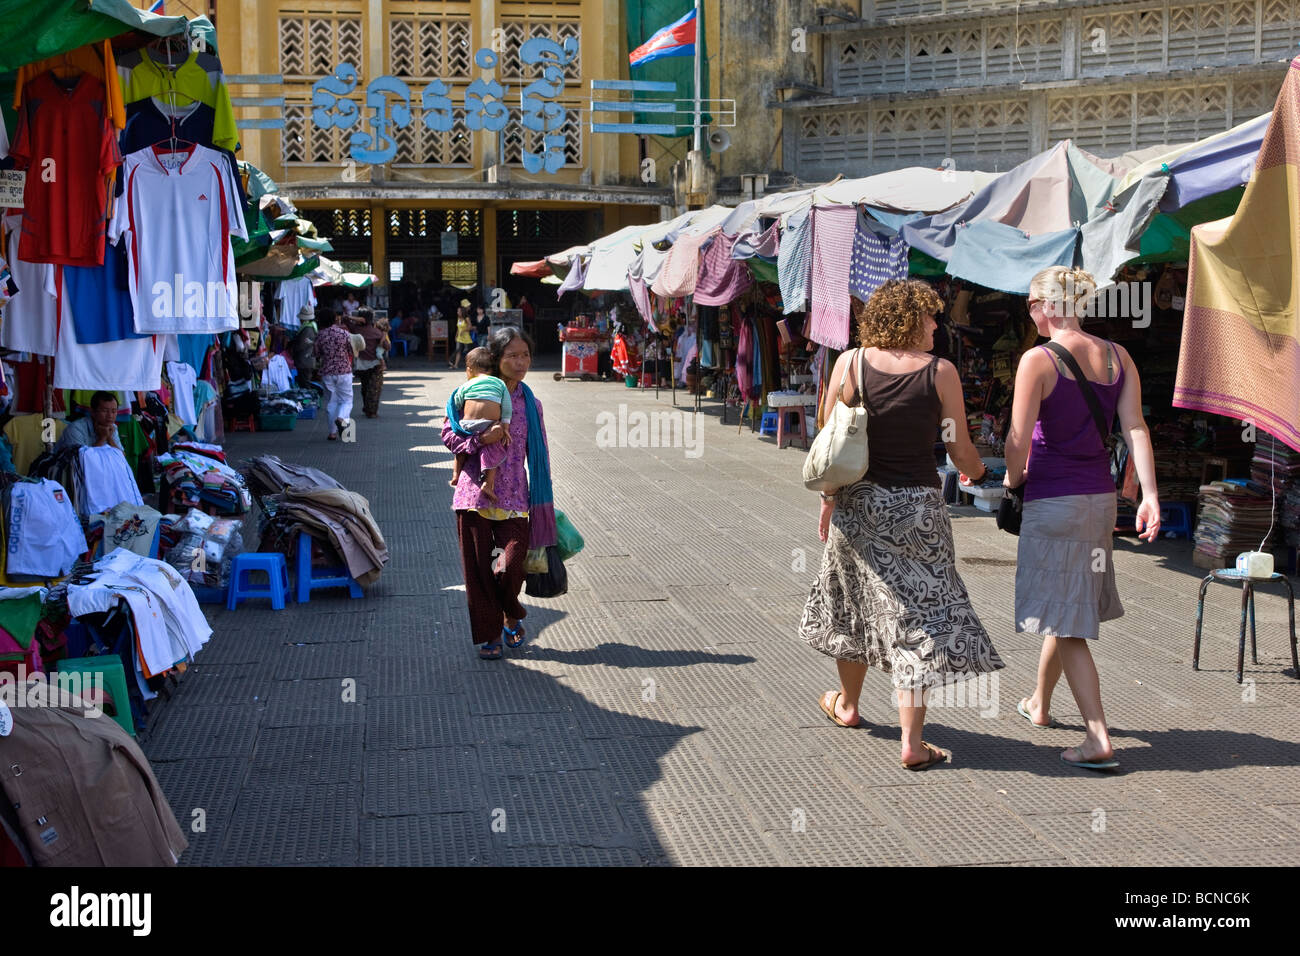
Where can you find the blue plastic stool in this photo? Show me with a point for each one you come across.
(769, 425)
(277, 573)
(1176, 519)
(309, 581)
(400, 344)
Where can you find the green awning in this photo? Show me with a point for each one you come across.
(31, 31)
(1169, 236)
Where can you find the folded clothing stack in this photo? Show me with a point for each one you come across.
(194, 479)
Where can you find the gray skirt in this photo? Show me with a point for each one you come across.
(1065, 578)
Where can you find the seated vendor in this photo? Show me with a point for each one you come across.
(97, 428)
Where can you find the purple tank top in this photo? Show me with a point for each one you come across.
(1067, 456)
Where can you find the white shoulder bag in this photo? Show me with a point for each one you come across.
(838, 456)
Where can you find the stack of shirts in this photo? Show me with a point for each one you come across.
(1289, 518)
(195, 478)
(1233, 518)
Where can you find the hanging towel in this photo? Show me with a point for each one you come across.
(680, 272)
(1004, 258)
(572, 281)
(832, 252)
(879, 254)
(794, 260)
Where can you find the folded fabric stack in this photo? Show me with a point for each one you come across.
(201, 448)
(1290, 516)
(194, 479)
(1274, 465)
(279, 405)
(1233, 518)
(268, 475)
(305, 397)
(341, 518)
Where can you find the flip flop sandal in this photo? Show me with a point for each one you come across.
(490, 652)
(830, 711)
(1110, 763)
(517, 634)
(936, 756)
(1023, 711)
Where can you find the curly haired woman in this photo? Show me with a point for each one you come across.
(888, 593)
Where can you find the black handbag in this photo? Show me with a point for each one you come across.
(553, 582)
(1011, 510)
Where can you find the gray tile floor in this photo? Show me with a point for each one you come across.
(664, 711)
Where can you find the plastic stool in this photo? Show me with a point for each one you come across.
(784, 437)
(1176, 519)
(769, 425)
(277, 573)
(244, 423)
(309, 581)
(106, 671)
(1231, 576)
(401, 344)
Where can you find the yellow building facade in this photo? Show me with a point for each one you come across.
(421, 181)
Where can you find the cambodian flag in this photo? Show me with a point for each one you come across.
(676, 39)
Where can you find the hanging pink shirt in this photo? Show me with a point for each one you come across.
(830, 316)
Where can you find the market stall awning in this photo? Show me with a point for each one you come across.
(531, 270)
(32, 30)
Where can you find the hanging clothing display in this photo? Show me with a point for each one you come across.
(276, 376)
(680, 272)
(64, 126)
(196, 79)
(879, 254)
(96, 59)
(153, 121)
(183, 378)
(130, 365)
(294, 295)
(833, 229)
(177, 216)
(794, 261)
(721, 277)
(99, 299)
(31, 317)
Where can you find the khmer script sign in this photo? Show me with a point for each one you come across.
(388, 105)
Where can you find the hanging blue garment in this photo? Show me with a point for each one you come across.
(1002, 257)
(879, 254)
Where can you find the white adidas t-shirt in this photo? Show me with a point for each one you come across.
(44, 534)
(177, 213)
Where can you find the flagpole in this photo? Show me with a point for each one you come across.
(699, 44)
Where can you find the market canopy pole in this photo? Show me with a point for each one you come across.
(699, 38)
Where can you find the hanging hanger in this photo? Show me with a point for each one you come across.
(174, 142)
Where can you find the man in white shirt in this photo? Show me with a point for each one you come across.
(350, 304)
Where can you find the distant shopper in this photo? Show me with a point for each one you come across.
(464, 336)
(334, 362)
(1065, 579)
(369, 365)
(889, 594)
(304, 350)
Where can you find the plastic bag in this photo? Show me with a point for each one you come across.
(554, 582)
(535, 562)
(568, 540)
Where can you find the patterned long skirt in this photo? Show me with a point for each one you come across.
(372, 384)
(889, 594)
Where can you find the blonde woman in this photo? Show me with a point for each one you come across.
(1065, 580)
(888, 593)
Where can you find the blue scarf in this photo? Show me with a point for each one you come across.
(541, 505)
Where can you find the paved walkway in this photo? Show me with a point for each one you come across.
(664, 711)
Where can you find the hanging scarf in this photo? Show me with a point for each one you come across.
(541, 505)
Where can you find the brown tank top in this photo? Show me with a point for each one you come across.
(903, 413)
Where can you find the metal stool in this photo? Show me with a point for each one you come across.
(1229, 576)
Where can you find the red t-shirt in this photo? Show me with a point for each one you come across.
(65, 142)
